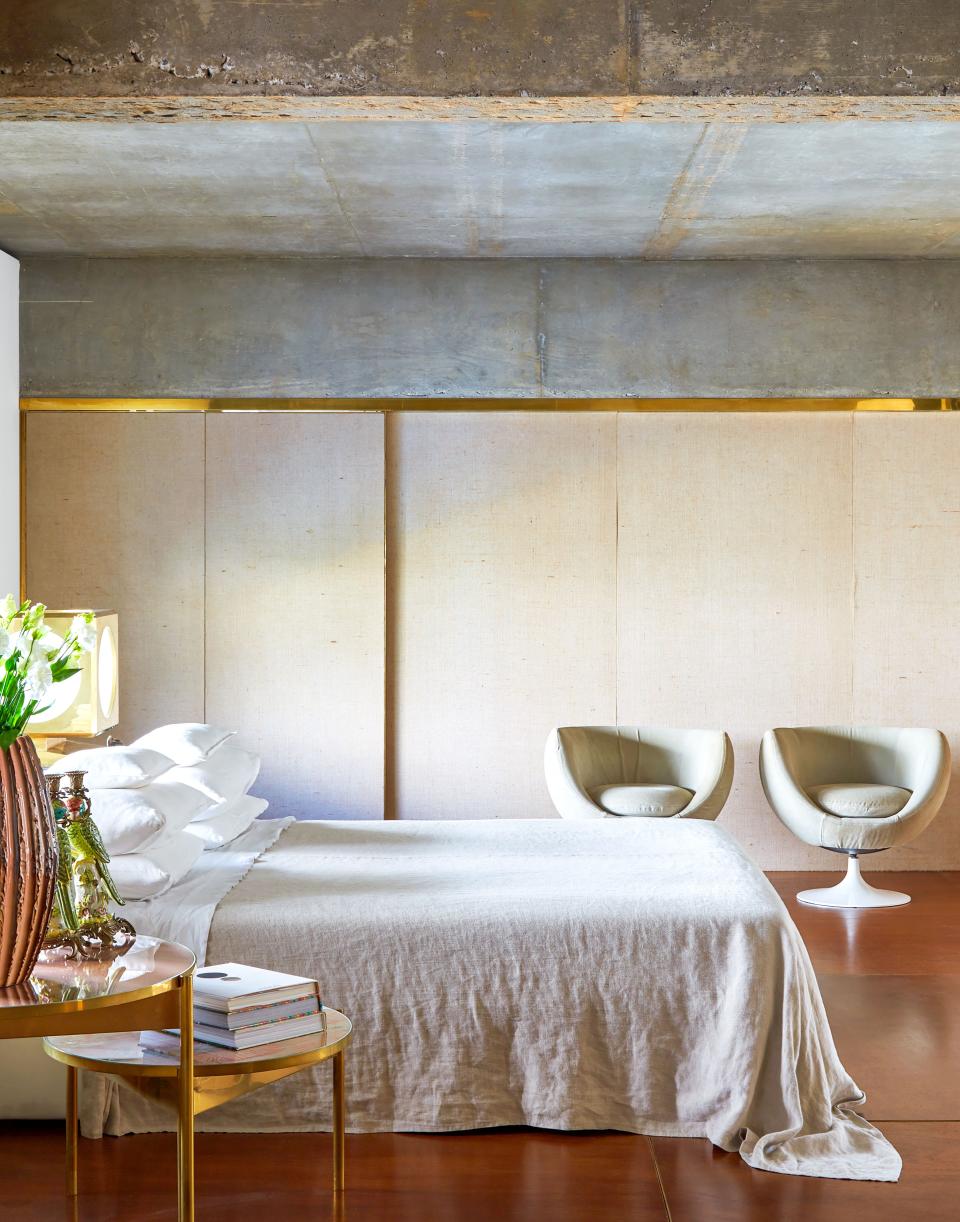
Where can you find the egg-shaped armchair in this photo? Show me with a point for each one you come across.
(854, 790)
(598, 772)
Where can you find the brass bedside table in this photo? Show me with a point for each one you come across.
(219, 1074)
(150, 986)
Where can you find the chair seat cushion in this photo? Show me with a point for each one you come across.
(650, 801)
(860, 801)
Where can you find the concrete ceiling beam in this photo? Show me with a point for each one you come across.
(441, 47)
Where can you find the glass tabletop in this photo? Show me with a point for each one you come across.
(148, 967)
(121, 1053)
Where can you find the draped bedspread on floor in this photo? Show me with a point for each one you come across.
(632, 974)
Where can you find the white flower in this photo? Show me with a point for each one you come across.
(50, 643)
(28, 647)
(8, 607)
(22, 649)
(39, 679)
(85, 631)
(4, 642)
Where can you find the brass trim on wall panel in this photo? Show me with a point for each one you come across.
(484, 405)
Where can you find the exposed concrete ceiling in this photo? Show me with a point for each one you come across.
(475, 188)
(115, 47)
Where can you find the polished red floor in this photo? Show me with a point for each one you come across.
(891, 982)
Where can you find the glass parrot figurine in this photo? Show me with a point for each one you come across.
(102, 935)
(62, 939)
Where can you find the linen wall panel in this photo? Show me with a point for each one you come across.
(295, 603)
(907, 604)
(115, 519)
(503, 602)
(735, 578)
(737, 571)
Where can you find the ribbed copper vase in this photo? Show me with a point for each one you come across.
(28, 860)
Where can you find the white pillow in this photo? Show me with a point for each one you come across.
(186, 742)
(141, 876)
(226, 821)
(226, 774)
(130, 819)
(115, 767)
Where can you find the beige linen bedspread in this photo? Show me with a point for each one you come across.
(633, 974)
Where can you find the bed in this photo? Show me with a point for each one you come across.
(639, 975)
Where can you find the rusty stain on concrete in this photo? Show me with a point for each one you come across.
(711, 155)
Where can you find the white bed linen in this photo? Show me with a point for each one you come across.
(639, 975)
(183, 914)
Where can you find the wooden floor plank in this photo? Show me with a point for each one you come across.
(706, 1185)
(504, 1175)
(920, 939)
(899, 1039)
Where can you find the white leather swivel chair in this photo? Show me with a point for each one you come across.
(595, 772)
(854, 790)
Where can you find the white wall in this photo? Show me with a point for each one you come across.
(28, 1084)
(9, 425)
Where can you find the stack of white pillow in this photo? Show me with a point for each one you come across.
(164, 799)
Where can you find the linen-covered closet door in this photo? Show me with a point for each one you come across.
(295, 603)
(502, 570)
(115, 519)
(907, 606)
(735, 586)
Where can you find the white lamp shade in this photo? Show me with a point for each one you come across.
(88, 703)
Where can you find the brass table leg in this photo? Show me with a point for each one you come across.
(339, 1123)
(71, 1131)
(185, 1103)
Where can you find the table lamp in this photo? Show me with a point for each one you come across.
(87, 704)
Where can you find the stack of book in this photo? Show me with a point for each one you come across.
(241, 1007)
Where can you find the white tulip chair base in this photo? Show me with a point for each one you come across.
(852, 892)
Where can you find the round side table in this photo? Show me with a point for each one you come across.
(219, 1074)
(150, 986)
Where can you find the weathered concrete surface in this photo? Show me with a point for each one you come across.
(300, 327)
(773, 47)
(479, 328)
(781, 46)
(843, 327)
(657, 190)
(313, 46)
